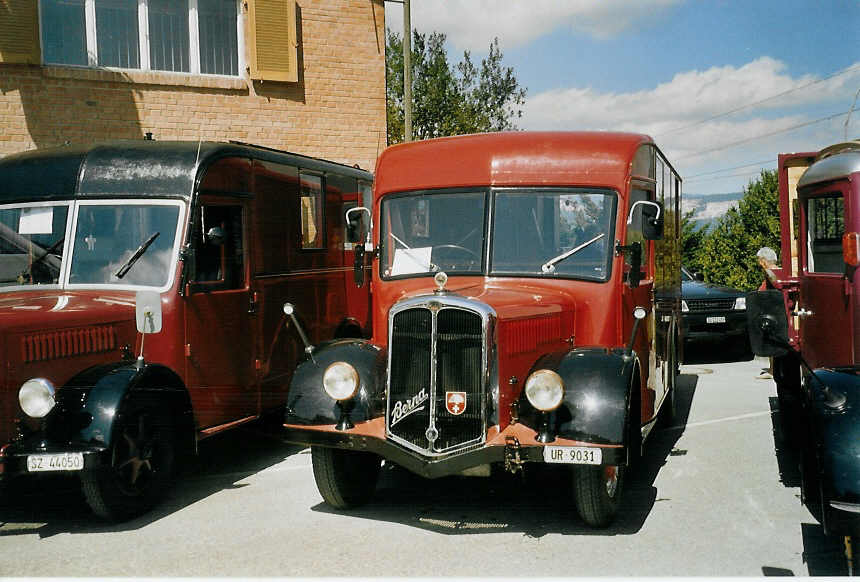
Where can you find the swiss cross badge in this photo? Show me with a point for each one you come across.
(455, 402)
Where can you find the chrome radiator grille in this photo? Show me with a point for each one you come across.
(437, 379)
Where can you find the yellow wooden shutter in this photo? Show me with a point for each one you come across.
(273, 49)
(19, 32)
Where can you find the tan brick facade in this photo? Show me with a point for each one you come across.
(336, 110)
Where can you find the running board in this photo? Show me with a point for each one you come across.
(213, 430)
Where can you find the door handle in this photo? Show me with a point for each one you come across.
(252, 302)
(803, 312)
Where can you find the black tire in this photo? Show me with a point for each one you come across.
(597, 491)
(139, 470)
(345, 479)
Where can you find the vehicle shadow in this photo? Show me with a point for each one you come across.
(536, 502)
(54, 504)
(824, 555)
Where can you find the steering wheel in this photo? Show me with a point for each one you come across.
(473, 256)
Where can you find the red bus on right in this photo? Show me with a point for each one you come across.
(810, 325)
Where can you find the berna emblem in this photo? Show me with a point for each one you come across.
(455, 402)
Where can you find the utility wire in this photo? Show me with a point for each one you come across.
(760, 101)
(770, 134)
(727, 169)
(712, 178)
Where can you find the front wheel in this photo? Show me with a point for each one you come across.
(597, 491)
(140, 469)
(344, 478)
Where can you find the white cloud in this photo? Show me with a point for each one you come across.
(695, 96)
(472, 24)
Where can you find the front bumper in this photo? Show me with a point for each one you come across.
(515, 445)
(701, 327)
(13, 458)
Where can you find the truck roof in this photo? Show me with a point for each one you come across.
(509, 159)
(133, 168)
(834, 162)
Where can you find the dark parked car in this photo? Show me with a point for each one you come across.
(714, 321)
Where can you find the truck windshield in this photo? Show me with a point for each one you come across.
(566, 232)
(425, 233)
(108, 235)
(32, 241)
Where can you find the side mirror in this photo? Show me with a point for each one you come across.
(650, 217)
(698, 277)
(767, 323)
(652, 221)
(215, 235)
(147, 311)
(354, 224)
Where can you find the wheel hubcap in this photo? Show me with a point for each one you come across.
(134, 464)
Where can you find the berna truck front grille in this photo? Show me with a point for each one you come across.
(437, 378)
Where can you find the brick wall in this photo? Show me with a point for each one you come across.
(336, 110)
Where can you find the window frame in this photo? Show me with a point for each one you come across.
(107, 202)
(320, 222)
(90, 34)
(809, 230)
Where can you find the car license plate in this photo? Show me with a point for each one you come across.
(55, 462)
(716, 319)
(573, 455)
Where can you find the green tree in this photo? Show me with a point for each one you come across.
(728, 251)
(449, 100)
(692, 237)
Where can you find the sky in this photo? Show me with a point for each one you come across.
(723, 86)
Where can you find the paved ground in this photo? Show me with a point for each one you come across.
(715, 496)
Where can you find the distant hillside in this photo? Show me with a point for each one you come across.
(707, 208)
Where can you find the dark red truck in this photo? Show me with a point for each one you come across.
(197, 246)
(810, 325)
(526, 303)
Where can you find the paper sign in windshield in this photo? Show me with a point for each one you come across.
(409, 261)
(36, 220)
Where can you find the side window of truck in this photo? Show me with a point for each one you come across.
(825, 220)
(313, 219)
(220, 255)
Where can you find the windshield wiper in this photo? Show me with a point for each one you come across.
(549, 266)
(133, 258)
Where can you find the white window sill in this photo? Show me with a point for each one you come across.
(145, 77)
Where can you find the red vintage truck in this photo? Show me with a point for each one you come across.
(141, 293)
(526, 303)
(810, 325)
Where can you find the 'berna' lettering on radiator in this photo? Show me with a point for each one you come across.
(403, 409)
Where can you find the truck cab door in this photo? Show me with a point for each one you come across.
(642, 294)
(219, 315)
(824, 308)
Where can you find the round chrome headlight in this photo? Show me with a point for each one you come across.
(36, 397)
(544, 390)
(340, 381)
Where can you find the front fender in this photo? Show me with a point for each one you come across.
(90, 403)
(308, 403)
(837, 434)
(596, 395)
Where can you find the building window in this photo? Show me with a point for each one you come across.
(191, 36)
